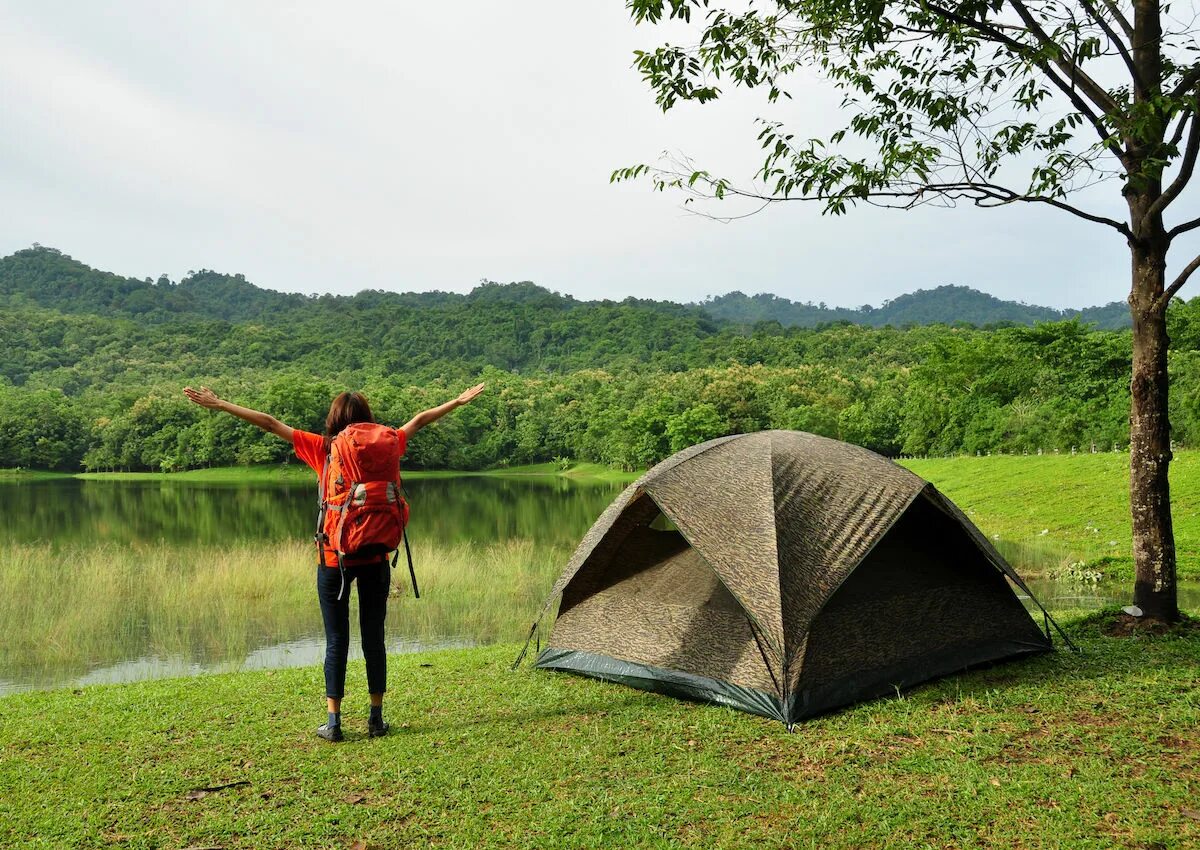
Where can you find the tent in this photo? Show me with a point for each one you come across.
(784, 574)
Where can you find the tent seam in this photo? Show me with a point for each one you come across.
(755, 626)
(825, 601)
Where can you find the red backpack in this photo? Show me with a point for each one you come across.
(362, 509)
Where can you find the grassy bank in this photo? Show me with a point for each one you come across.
(297, 473)
(1065, 509)
(30, 475)
(1064, 751)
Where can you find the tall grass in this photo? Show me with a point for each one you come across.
(76, 607)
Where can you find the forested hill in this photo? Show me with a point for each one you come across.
(94, 364)
(48, 278)
(945, 305)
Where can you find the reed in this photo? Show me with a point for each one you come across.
(83, 606)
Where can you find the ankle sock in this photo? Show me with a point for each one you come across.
(377, 714)
(335, 719)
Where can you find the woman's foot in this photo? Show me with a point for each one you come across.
(376, 726)
(330, 733)
(331, 729)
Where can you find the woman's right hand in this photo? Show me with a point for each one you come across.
(203, 397)
(467, 396)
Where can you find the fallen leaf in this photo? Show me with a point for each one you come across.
(995, 781)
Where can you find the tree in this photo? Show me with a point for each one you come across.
(989, 102)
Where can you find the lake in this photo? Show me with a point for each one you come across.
(124, 580)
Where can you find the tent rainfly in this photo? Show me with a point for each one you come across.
(784, 574)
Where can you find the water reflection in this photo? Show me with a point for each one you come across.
(294, 653)
(1076, 596)
(446, 510)
(165, 578)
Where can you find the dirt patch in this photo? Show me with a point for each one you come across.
(1124, 625)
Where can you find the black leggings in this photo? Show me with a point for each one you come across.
(374, 580)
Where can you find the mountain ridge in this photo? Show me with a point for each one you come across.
(48, 277)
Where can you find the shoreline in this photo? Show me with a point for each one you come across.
(299, 474)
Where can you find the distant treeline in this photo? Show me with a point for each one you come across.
(85, 384)
(948, 305)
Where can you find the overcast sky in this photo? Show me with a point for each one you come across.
(332, 147)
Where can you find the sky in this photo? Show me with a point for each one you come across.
(321, 147)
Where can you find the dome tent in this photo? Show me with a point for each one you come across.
(783, 574)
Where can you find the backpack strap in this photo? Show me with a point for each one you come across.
(322, 506)
(342, 509)
(411, 572)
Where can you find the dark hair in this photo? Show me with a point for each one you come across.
(346, 409)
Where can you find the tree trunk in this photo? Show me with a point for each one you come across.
(1154, 589)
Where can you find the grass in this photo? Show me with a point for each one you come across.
(265, 474)
(1096, 750)
(297, 473)
(22, 474)
(1059, 509)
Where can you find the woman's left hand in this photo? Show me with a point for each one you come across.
(203, 397)
(469, 395)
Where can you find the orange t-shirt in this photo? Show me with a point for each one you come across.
(310, 448)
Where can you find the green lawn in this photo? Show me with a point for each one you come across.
(1071, 508)
(30, 474)
(1094, 750)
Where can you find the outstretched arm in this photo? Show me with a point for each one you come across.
(207, 398)
(425, 417)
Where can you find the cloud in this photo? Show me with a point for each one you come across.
(319, 147)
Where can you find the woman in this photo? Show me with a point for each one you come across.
(374, 576)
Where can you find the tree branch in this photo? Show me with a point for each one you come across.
(1187, 81)
(1007, 196)
(1026, 51)
(976, 191)
(1119, 17)
(1115, 39)
(1183, 228)
(1186, 166)
(1184, 117)
(1090, 87)
(1175, 286)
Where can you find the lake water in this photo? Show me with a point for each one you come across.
(131, 580)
